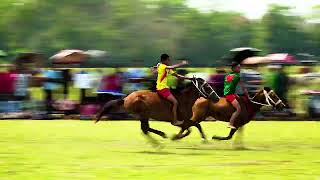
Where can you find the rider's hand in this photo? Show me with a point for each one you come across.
(184, 62)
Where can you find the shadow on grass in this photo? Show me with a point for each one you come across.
(170, 153)
(222, 149)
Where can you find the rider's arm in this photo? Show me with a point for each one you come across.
(177, 65)
(244, 89)
(179, 76)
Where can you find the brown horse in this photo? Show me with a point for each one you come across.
(147, 104)
(222, 110)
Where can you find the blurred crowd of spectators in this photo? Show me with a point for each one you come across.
(96, 86)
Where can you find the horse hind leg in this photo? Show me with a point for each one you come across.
(160, 133)
(107, 108)
(238, 141)
(146, 129)
(232, 131)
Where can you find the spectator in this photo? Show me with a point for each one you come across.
(66, 79)
(83, 81)
(112, 82)
(217, 81)
(7, 87)
(131, 74)
(52, 82)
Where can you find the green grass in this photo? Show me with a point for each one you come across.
(62, 150)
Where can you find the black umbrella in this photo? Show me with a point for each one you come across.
(242, 53)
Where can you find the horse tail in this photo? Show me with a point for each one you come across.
(108, 106)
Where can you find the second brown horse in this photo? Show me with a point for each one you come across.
(222, 110)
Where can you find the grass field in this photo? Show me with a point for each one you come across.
(62, 150)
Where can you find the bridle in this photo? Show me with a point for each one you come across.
(201, 88)
(269, 100)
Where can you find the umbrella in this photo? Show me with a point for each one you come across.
(75, 56)
(245, 49)
(242, 53)
(282, 58)
(256, 60)
(96, 53)
(70, 56)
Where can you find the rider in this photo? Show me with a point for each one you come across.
(230, 84)
(164, 68)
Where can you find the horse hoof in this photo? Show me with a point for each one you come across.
(164, 136)
(205, 141)
(239, 147)
(96, 119)
(174, 138)
(158, 146)
(216, 138)
(221, 138)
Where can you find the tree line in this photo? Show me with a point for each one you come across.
(138, 31)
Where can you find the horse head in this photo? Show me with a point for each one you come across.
(267, 97)
(204, 89)
(185, 90)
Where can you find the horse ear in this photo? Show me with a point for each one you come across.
(267, 89)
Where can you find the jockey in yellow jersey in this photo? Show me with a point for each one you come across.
(165, 69)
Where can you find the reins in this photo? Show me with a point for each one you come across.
(267, 98)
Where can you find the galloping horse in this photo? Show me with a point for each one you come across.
(147, 104)
(222, 110)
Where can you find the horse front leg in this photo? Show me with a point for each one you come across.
(186, 126)
(199, 113)
(203, 136)
(232, 131)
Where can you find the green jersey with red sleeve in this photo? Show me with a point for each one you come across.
(230, 83)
